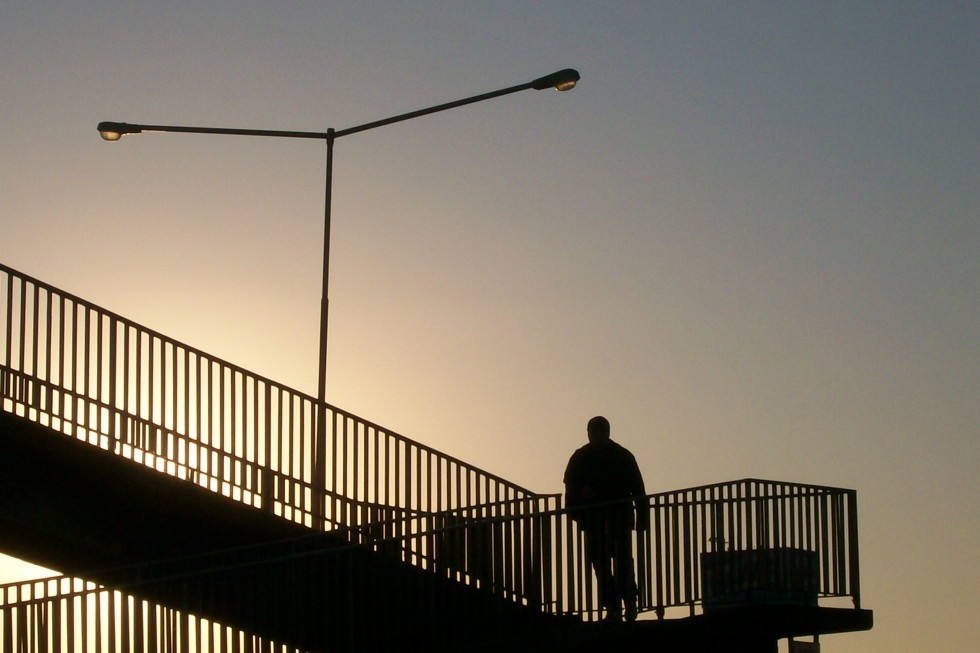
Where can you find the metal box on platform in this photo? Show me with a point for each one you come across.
(778, 576)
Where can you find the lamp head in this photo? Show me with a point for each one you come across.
(113, 131)
(563, 80)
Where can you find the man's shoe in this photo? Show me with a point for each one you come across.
(630, 612)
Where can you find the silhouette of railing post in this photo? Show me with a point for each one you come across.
(852, 538)
(112, 400)
(268, 481)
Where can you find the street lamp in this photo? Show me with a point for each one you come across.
(563, 80)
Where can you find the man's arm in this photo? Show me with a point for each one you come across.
(640, 499)
(573, 488)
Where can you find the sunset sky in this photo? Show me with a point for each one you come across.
(749, 237)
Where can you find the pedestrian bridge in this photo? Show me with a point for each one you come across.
(189, 507)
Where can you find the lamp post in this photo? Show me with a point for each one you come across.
(562, 80)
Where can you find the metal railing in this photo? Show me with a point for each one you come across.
(746, 541)
(71, 614)
(96, 376)
(800, 542)
(703, 545)
(727, 543)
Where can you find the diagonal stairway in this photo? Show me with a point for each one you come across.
(69, 506)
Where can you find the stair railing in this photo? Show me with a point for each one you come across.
(99, 377)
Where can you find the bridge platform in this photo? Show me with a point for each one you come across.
(72, 507)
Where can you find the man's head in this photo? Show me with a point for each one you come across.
(598, 429)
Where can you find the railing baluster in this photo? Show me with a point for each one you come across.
(112, 400)
(9, 324)
(853, 567)
(21, 324)
(840, 553)
(48, 338)
(35, 344)
(98, 396)
(61, 363)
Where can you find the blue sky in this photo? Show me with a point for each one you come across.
(748, 237)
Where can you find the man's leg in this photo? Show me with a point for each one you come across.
(625, 574)
(600, 555)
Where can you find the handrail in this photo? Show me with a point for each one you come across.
(799, 539)
(534, 560)
(97, 376)
(699, 532)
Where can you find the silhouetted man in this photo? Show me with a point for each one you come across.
(602, 485)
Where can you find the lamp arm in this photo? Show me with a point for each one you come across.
(126, 128)
(424, 112)
(122, 128)
(561, 80)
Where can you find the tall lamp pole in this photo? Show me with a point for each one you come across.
(562, 80)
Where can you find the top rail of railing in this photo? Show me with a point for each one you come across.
(97, 376)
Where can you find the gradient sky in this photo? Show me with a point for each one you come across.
(749, 237)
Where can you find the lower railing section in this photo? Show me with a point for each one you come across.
(737, 543)
(303, 594)
(71, 614)
(749, 541)
(438, 577)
